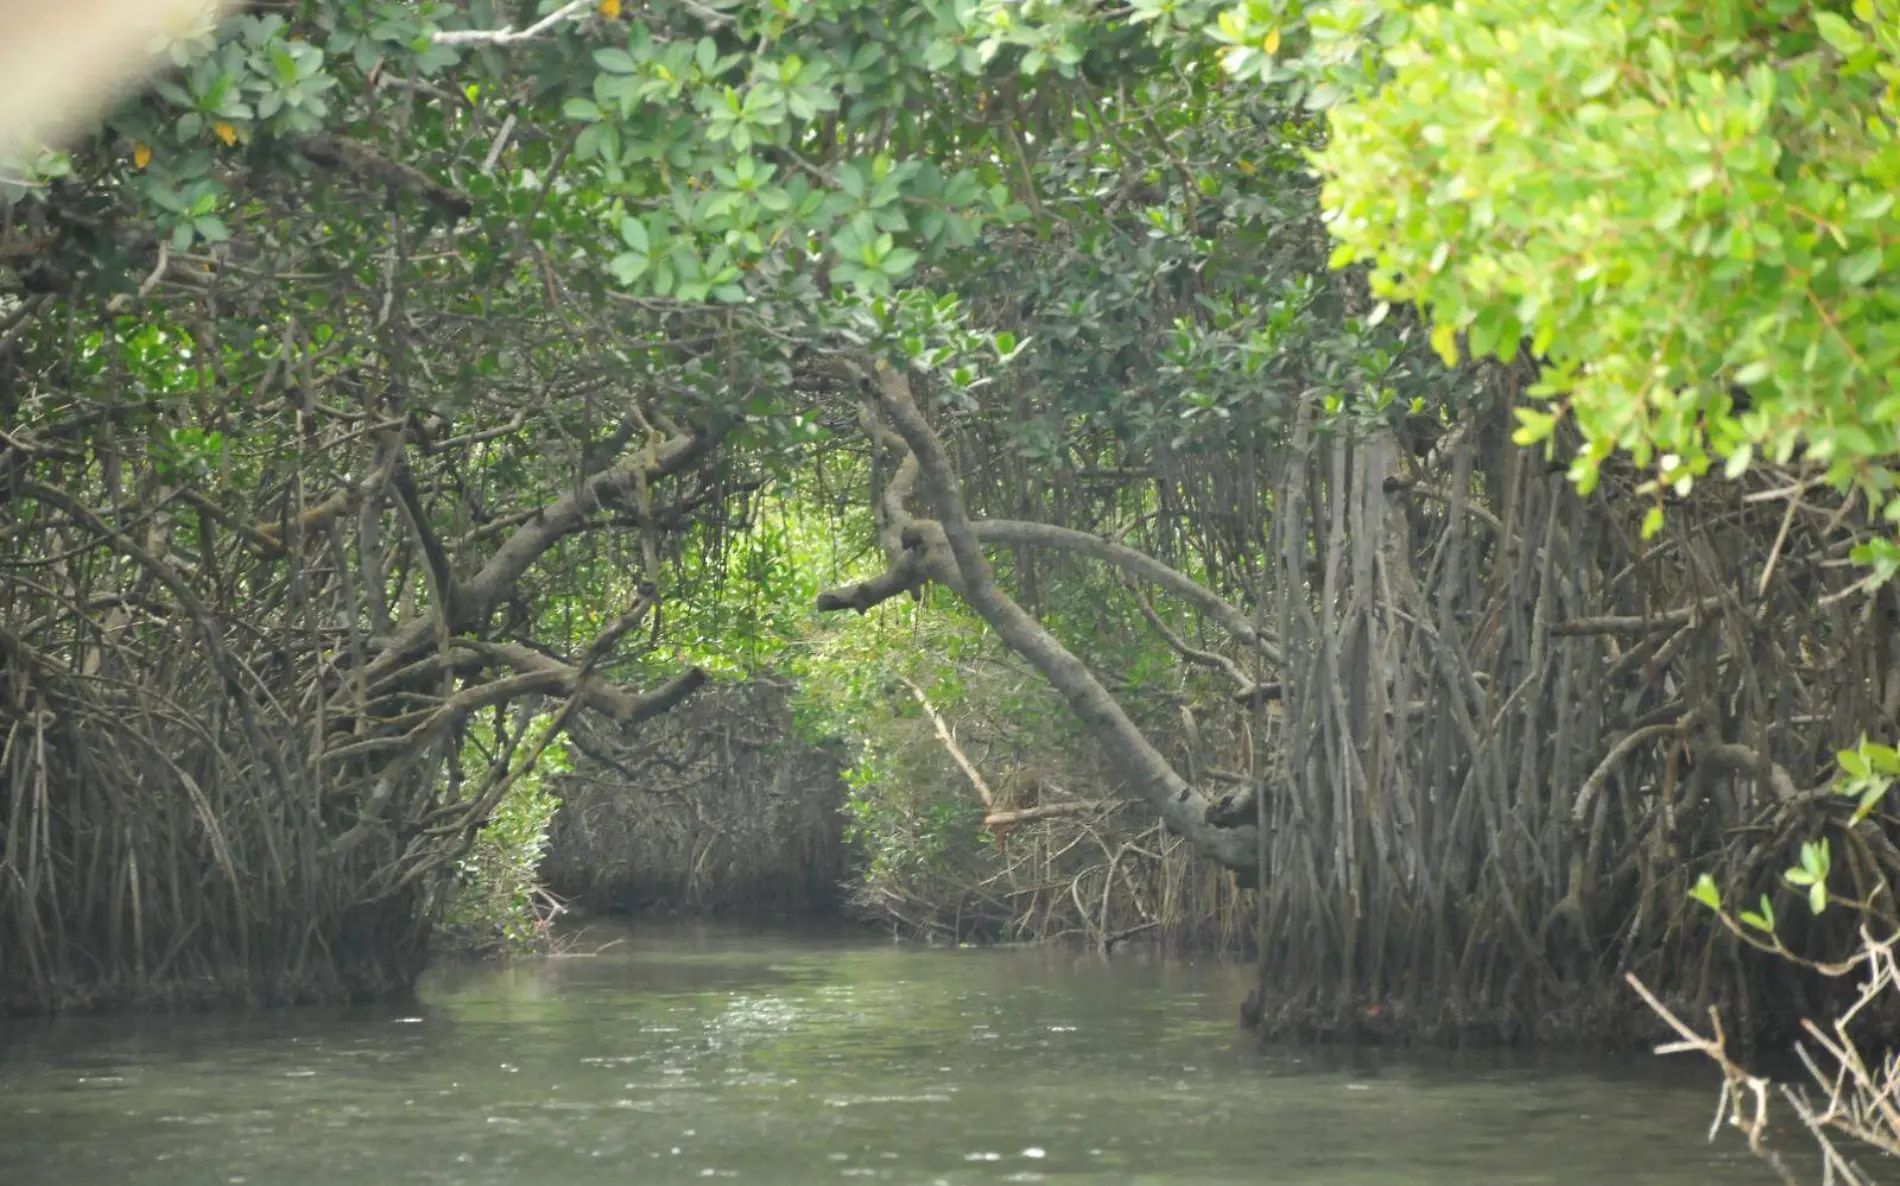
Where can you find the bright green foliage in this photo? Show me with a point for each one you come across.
(1867, 771)
(1686, 210)
(1811, 875)
(495, 903)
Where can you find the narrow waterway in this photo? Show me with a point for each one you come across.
(682, 1055)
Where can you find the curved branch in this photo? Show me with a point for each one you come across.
(1592, 786)
(496, 581)
(611, 700)
(907, 575)
(1134, 563)
(1154, 780)
(1244, 687)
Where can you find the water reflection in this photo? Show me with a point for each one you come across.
(685, 1054)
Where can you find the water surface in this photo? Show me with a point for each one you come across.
(695, 1054)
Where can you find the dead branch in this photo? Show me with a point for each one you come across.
(949, 741)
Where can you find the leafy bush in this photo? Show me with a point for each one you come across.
(497, 903)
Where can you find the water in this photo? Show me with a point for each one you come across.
(712, 1055)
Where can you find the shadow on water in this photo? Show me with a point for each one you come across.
(679, 1053)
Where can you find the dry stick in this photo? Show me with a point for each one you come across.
(1735, 1081)
(1774, 553)
(1043, 811)
(1637, 624)
(956, 751)
(508, 34)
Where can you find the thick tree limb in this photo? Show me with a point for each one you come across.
(611, 700)
(1153, 779)
(1234, 807)
(1733, 758)
(497, 579)
(907, 575)
(1134, 563)
(1018, 533)
(920, 541)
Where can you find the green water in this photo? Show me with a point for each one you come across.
(706, 1054)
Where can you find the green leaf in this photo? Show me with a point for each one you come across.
(898, 262)
(1600, 82)
(1855, 761)
(1845, 38)
(629, 266)
(1815, 858)
(1534, 426)
(1870, 798)
(1445, 341)
(1704, 891)
(1861, 267)
(1652, 522)
(615, 61)
(851, 181)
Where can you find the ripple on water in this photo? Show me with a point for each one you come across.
(754, 1060)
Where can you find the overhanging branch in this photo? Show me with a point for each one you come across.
(1154, 780)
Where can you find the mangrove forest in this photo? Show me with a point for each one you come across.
(1398, 495)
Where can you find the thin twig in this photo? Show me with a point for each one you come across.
(508, 34)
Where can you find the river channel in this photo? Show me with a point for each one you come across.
(692, 1054)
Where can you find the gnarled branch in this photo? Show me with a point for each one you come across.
(1153, 779)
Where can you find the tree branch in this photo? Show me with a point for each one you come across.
(497, 579)
(1154, 780)
(508, 35)
(907, 575)
(1633, 624)
(611, 700)
(955, 751)
(365, 163)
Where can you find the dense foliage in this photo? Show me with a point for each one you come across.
(1687, 211)
(398, 393)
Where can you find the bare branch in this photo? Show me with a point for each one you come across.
(955, 751)
(508, 34)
